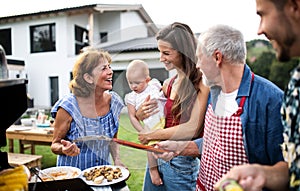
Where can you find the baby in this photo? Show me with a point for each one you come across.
(142, 85)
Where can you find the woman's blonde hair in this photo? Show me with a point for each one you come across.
(85, 63)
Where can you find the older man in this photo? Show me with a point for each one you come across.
(280, 23)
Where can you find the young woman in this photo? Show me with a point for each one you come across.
(184, 110)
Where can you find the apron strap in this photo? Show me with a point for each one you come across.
(200, 185)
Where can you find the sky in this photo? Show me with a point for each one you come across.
(198, 14)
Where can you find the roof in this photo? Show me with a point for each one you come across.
(92, 8)
(134, 45)
(32, 13)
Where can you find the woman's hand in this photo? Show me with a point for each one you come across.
(69, 148)
(148, 108)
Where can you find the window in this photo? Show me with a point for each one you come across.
(81, 38)
(54, 89)
(103, 37)
(42, 38)
(5, 40)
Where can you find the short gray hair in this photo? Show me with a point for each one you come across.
(227, 40)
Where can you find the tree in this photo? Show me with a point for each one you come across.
(280, 72)
(262, 65)
(262, 60)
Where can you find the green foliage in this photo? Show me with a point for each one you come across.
(280, 72)
(262, 65)
(134, 159)
(262, 43)
(256, 47)
(262, 60)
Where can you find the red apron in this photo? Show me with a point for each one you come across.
(223, 147)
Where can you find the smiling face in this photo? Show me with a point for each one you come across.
(169, 56)
(91, 71)
(276, 25)
(102, 75)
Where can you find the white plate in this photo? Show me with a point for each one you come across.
(125, 175)
(22, 128)
(60, 173)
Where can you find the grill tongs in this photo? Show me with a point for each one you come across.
(36, 171)
(119, 141)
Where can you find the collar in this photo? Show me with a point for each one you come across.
(245, 86)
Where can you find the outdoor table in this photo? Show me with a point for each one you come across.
(28, 135)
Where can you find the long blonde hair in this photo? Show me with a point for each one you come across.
(182, 39)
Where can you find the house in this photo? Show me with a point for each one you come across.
(49, 41)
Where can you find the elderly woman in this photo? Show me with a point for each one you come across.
(89, 110)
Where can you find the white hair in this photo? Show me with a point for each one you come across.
(227, 40)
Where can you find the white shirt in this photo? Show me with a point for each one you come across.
(226, 104)
(154, 90)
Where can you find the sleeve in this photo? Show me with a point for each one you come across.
(116, 104)
(130, 98)
(116, 108)
(55, 109)
(154, 82)
(199, 143)
(68, 102)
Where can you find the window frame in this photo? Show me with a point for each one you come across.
(103, 37)
(5, 40)
(49, 43)
(81, 35)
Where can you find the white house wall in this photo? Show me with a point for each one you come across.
(107, 22)
(132, 26)
(120, 26)
(40, 66)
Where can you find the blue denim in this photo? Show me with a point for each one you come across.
(178, 174)
(261, 119)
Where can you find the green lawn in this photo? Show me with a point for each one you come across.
(134, 159)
